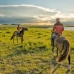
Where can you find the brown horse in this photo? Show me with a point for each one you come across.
(62, 44)
(20, 34)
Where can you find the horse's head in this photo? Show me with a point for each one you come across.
(24, 29)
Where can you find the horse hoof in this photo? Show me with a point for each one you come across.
(53, 61)
(69, 68)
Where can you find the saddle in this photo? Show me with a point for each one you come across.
(59, 38)
(18, 34)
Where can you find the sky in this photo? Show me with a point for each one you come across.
(21, 11)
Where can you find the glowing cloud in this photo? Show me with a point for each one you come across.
(33, 12)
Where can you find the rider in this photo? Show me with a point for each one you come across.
(18, 29)
(58, 28)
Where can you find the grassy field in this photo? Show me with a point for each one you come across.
(34, 55)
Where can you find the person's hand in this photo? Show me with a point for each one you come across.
(57, 59)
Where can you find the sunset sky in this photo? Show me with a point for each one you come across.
(21, 11)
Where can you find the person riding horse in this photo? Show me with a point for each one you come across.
(21, 34)
(57, 29)
(18, 30)
(61, 43)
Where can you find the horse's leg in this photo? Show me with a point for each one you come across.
(52, 44)
(13, 39)
(69, 67)
(17, 39)
(21, 39)
(57, 52)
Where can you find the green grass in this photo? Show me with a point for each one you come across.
(34, 55)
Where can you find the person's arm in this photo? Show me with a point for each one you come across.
(54, 28)
(20, 27)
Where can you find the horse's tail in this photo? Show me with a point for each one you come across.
(65, 51)
(12, 37)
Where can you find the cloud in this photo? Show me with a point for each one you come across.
(2, 15)
(27, 10)
(16, 20)
(25, 5)
(64, 15)
(33, 12)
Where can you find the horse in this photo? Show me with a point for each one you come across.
(63, 46)
(21, 34)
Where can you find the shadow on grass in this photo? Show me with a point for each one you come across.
(18, 50)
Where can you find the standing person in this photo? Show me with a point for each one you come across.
(18, 29)
(58, 28)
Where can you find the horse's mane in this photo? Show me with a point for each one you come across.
(22, 30)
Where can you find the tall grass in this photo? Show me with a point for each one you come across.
(34, 55)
